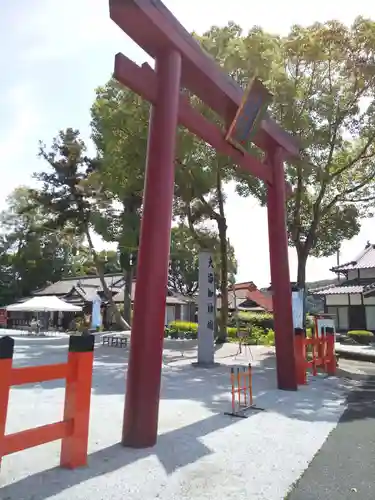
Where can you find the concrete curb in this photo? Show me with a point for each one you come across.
(355, 355)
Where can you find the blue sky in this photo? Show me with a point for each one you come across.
(55, 54)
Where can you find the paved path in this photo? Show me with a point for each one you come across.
(360, 352)
(201, 454)
(344, 467)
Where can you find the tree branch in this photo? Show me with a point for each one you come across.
(200, 197)
(340, 196)
(361, 155)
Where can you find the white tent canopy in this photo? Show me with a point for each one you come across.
(44, 303)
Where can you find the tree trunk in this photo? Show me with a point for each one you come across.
(301, 269)
(128, 278)
(236, 317)
(222, 227)
(223, 281)
(121, 323)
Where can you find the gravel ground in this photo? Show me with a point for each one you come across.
(201, 453)
(344, 467)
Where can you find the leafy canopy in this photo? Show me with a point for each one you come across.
(322, 77)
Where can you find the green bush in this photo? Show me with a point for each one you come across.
(310, 322)
(186, 329)
(255, 335)
(363, 337)
(232, 332)
(270, 338)
(360, 333)
(181, 329)
(258, 336)
(248, 320)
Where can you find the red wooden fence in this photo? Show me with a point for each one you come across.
(73, 430)
(321, 355)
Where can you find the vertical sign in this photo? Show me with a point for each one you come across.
(249, 115)
(206, 309)
(96, 316)
(298, 308)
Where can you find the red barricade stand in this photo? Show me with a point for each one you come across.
(322, 354)
(73, 430)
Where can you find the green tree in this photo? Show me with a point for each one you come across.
(30, 256)
(200, 201)
(322, 78)
(184, 258)
(119, 131)
(68, 199)
(82, 262)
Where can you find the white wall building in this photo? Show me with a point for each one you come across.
(352, 301)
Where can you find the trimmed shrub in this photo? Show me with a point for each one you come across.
(182, 329)
(309, 332)
(256, 335)
(270, 338)
(363, 337)
(188, 330)
(247, 320)
(232, 333)
(310, 323)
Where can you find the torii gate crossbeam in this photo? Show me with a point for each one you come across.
(181, 63)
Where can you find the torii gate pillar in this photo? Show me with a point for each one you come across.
(180, 62)
(280, 278)
(143, 379)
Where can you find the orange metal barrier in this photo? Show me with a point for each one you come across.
(73, 430)
(241, 379)
(322, 354)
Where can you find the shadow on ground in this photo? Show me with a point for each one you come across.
(321, 400)
(183, 381)
(174, 450)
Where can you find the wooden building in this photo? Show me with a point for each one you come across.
(81, 290)
(247, 297)
(352, 301)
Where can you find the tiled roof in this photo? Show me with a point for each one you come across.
(64, 286)
(88, 293)
(337, 290)
(369, 289)
(247, 292)
(261, 299)
(365, 260)
(171, 299)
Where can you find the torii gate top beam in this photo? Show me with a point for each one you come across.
(153, 27)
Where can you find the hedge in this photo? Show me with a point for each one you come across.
(363, 337)
(256, 328)
(186, 329)
(247, 320)
(178, 329)
(256, 334)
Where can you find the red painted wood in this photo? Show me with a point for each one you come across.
(152, 26)
(158, 32)
(74, 428)
(35, 374)
(143, 81)
(5, 378)
(35, 437)
(77, 409)
(146, 344)
(300, 356)
(330, 355)
(279, 263)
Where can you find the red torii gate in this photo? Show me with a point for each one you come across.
(180, 62)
